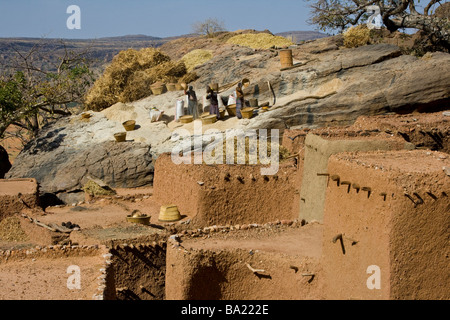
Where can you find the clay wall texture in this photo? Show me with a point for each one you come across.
(227, 194)
(317, 152)
(224, 275)
(407, 239)
(17, 194)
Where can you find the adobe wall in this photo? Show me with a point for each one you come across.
(17, 194)
(317, 151)
(140, 270)
(224, 275)
(226, 194)
(424, 130)
(407, 240)
(262, 264)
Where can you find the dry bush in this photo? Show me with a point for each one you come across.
(188, 77)
(357, 36)
(260, 41)
(138, 85)
(129, 76)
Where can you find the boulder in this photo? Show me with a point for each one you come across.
(5, 165)
(67, 153)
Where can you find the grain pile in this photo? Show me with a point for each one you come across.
(120, 112)
(357, 36)
(239, 157)
(10, 230)
(93, 189)
(129, 76)
(196, 57)
(260, 41)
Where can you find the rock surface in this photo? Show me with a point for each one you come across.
(69, 151)
(328, 86)
(5, 165)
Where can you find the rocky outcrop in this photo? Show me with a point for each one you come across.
(67, 153)
(328, 86)
(333, 86)
(5, 165)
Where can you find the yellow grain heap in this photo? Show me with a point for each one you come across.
(239, 157)
(129, 76)
(260, 41)
(356, 36)
(93, 189)
(196, 57)
(11, 230)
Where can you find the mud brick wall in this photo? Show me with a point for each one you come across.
(223, 275)
(317, 152)
(140, 270)
(426, 131)
(388, 210)
(227, 194)
(17, 194)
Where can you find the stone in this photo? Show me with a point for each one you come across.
(5, 165)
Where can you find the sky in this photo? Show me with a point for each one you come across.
(160, 18)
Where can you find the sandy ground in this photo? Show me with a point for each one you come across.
(46, 279)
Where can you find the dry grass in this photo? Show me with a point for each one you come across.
(260, 41)
(240, 157)
(129, 76)
(357, 36)
(196, 57)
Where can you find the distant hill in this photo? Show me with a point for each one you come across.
(102, 50)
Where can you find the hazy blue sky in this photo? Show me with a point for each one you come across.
(162, 18)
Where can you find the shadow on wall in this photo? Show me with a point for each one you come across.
(206, 283)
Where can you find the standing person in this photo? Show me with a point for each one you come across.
(214, 107)
(239, 100)
(192, 102)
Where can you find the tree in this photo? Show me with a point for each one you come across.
(208, 27)
(35, 90)
(395, 14)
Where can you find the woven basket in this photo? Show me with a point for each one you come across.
(156, 90)
(178, 86)
(169, 213)
(214, 86)
(129, 125)
(247, 113)
(222, 113)
(231, 109)
(171, 87)
(120, 136)
(141, 220)
(186, 119)
(209, 119)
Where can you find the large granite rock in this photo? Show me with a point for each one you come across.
(330, 85)
(68, 152)
(327, 86)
